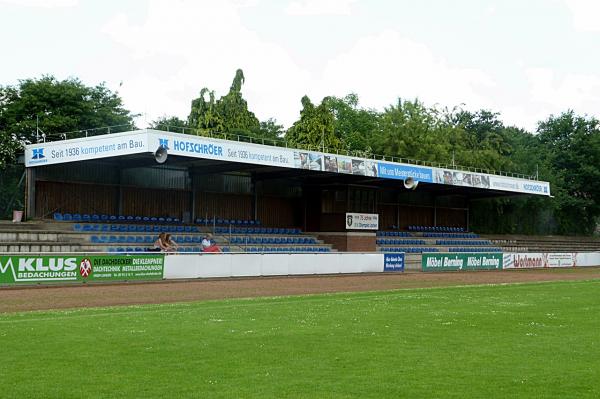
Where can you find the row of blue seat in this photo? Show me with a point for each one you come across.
(103, 239)
(77, 217)
(273, 240)
(394, 234)
(288, 249)
(457, 242)
(227, 222)
(450, 235)
(256, 230)
(408, 250)
(142, 249)
(134, 228)
(478, 249)
(443, 229)
(391, 241)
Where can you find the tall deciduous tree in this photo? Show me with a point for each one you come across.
(354, 126)
(572, 146)
(228, 114)
(315, 128)
(49, 106)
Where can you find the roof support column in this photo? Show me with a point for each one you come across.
(254, 196)
(29, 193)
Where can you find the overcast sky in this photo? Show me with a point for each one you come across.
(524, 59)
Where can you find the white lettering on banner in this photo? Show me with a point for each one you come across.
(456, 262)
(54, 264)
(4, 268)
(491, 262)
(434, 262)
(403, 173)
(187, 146)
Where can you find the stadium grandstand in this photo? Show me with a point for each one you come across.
(116, 192)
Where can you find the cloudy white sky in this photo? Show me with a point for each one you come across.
(524, 59)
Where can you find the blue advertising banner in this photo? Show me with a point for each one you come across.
(393, 262)
(401, 172)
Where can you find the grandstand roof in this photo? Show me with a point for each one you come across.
(211, 155)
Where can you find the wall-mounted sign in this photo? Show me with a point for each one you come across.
(362, 221)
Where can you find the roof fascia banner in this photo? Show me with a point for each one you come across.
(84, 149)
(141, 141)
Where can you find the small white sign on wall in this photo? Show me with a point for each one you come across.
(362, 221)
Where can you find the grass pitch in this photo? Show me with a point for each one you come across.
(523, 340)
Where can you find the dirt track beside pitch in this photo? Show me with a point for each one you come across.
(77, 296)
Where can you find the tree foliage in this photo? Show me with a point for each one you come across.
(316, 127)
(565, 149)
(228, 114)
(48, 107)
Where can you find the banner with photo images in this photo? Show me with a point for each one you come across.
(459, 178)
(351, 166)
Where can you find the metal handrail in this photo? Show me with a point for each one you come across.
(281, 142)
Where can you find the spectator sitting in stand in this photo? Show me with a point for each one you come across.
(164, 243)
(159, 244)
(171, 245)
(209, 245)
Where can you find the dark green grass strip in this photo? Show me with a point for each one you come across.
(526, 340)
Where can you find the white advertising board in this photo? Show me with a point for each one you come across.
(519, 185)
(535, 260)
(362, 221)
(232, 264)
(84, 149)
(588, 259)
(231, 151)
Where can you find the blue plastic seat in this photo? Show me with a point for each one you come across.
(57, 216)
